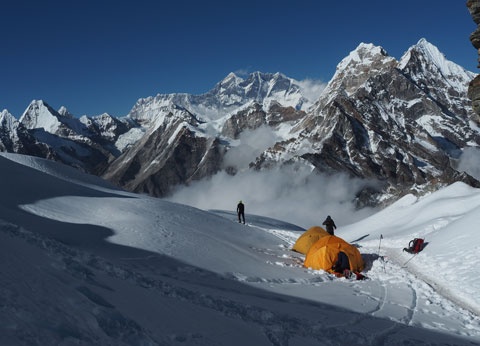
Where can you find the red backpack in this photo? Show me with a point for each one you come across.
(415, 245)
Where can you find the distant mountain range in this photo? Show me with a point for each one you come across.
(401, 124)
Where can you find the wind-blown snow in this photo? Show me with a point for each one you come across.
(83, 263)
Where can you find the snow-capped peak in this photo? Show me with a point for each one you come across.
(7, 120)
(63, 111)
(230, 79)
(434, 57)
(40, 115)
(366, 60)
(428, 50)
(365, 54)
(4, 113)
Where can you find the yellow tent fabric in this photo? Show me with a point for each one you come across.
(324, 253)
(308, 238)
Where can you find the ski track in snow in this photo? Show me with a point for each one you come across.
(406, 285)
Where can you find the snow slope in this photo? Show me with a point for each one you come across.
(83, 263)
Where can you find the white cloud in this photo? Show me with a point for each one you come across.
(312, 88)
(470, 162)
(251, 144)
(243, 72)
(296, 196)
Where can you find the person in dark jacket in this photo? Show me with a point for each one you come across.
(241, 212)
(342, 266)
(330, 225)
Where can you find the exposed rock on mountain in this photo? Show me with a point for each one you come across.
(255, 116)
(401, 123)
(170, 153)
(85, 143)
(186, 136)
(14, 137)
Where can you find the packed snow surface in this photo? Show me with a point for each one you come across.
(84, 263)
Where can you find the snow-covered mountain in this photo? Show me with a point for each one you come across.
(14, 137)
(87, 143)
(403, 123)
(84, 263)
(186, 136)
(227, 97)
(400, 125)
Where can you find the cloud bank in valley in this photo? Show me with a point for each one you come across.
(289, 193)
(296, 196)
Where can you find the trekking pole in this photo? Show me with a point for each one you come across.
(381, 237)
(405, 264)
(380, 244)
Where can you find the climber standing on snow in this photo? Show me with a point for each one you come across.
(241, 212)
(329, 224)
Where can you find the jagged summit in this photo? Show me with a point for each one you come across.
(231, 79)
(227, 97)
(431, 52)
(40, 114)
(5, 113)
(429, 55)
(7, 120)
(365, 53)
(364, 61)
(63, 111)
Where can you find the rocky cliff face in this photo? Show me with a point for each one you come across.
(171, 152)
(402, 123)
(399, 124)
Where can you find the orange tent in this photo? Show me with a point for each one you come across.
(307, 239)
(324, 253)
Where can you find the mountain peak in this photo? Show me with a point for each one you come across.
(430, 50)
(40, 115)
(7, 120)
(370, 47)
(4, 113)
(63, 111)
(366, 60)
(364, 54)
(231, 79)
(431, 56)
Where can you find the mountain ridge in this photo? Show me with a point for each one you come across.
(401, 122)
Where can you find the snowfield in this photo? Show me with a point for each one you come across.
(84, 263)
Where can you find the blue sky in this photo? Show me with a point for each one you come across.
(101, 56)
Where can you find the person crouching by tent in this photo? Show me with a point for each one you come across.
(241, 212)
(329, 225)
(342, 266)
